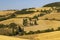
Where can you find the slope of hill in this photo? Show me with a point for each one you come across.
(13, 20)
(6, 12)
(44, 36)
(42, 24)
(55, 4)
(53, 16)
(10, 38)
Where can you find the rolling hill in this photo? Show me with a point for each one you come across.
(10, 38)
(53, 21)
(44, 36)
(55, 4)
(6, 12)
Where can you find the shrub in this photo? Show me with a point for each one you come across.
(49, 30)
(42, 14)
(31, 24)
(58, 28)
(35, 17)
(35, 22)
(23, 11)
(25, 22)
(30, 32)
(38, 31)
(13, 26)
(2, 25)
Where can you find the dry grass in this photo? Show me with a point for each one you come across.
(10, 38)
(51, 16)
(42, 25)
(44, 36)
(6, 12)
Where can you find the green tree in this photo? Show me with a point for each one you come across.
(25, 22)
(35, 17)
(13, 16)
(58, 28)
(30, 32)
(2, 25)
(13, 26)
(35, 22)
(38, 31)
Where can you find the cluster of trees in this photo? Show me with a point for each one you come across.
(20, 31)
(5, 18)
(26, 22)
(13, 29)
(46, 11)
(42, 13)
(52, 19)
(36, 17)
(24, 11)
(58, 10)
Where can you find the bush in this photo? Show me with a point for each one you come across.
(25, 22)
(38, 31)
(35, 17)
(49, 30)
(42, 14)
(2, 26)
(30, 32)
(35, 22)
(58, 28)
(23, 11)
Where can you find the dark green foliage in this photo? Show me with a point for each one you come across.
(31, 8)
(58, 28)
(2, 25)
(42, 14)
(52, 29)
(13, 26)
(30, 19)
(20, 29)
(24, 11)
(38, 15)
(30, 32)
(12, 16)
(25, 22)
(55, 4)
(58, 10)
(8, 17)
(49, 30)
(38, 31)
(53, 19)
(3, 18)
(35, 22)
(46, 11)
(31, 24)
(38, 11)
(35, 17)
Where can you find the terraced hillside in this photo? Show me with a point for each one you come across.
(51, 16)
(42, 22)
(47, 19)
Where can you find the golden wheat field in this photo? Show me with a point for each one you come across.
(10, 38)
(42, 25)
